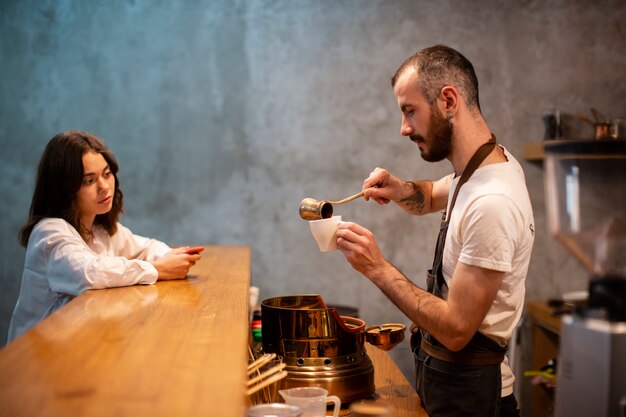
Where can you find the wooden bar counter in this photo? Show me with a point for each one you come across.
(176, 348)
(392, 387)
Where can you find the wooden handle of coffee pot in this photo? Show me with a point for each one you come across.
(345, 200)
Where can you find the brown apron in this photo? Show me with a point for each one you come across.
(480, 350)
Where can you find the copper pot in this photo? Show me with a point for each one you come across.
(322, 348)
(319, 347)
(602, 130)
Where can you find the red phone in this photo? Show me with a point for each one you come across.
(194, 250)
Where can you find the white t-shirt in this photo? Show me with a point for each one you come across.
(59, 265)
(492, 226)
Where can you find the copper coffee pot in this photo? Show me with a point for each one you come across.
(600, 123)
(311, 209)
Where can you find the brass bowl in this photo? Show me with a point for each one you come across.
(385, 336)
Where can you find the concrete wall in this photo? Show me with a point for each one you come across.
(225, 114)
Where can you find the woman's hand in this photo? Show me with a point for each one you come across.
(359, 247)
(176, 263)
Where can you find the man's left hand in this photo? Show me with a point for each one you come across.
(359, 246)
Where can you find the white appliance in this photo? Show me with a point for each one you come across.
(585, 183)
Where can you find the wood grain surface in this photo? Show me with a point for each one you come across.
(392, 387)
(176, 348)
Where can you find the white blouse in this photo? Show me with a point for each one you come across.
(59, 265)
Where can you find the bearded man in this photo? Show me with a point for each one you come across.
(474, 295)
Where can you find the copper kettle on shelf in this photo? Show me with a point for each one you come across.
(601, 124)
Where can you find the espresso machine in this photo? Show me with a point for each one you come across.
(585, 184)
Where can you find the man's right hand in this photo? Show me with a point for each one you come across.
(413, 197)
(383, 187)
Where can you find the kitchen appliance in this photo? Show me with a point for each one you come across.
(320, 347)
(585, 184)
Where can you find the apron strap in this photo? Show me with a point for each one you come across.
(479, 156)
(480, 350)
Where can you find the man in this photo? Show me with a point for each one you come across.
(476, 288)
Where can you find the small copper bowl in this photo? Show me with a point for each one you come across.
(385, 336)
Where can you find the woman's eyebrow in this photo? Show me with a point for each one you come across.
(87, 174)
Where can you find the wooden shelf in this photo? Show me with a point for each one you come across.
(543, 344)
(533, 151)
(544, 316)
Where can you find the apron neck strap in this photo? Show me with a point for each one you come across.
(479, 156)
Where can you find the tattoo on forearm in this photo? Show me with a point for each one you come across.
(416, 201)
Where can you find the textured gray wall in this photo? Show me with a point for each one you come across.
(225, 114)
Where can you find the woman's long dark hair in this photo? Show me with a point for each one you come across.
(59, 178)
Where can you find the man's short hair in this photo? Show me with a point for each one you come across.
(438, 66)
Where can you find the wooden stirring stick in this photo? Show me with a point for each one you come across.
(345, 200)
(260, 362)
(267, 373)
(267, 382)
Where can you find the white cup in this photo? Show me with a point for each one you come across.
(325, 233)
(311, 400)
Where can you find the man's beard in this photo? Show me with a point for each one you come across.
(440, 135)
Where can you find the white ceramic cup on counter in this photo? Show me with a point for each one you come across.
(311, 400)
(325, 233)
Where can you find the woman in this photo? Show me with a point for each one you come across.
(73, 239)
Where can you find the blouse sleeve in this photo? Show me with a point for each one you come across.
(72, 267)
(133, 246)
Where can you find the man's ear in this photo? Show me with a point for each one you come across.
(450, 98)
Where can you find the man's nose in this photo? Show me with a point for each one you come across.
(405, 128)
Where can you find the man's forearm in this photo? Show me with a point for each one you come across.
(426, 310)
(418, 202)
